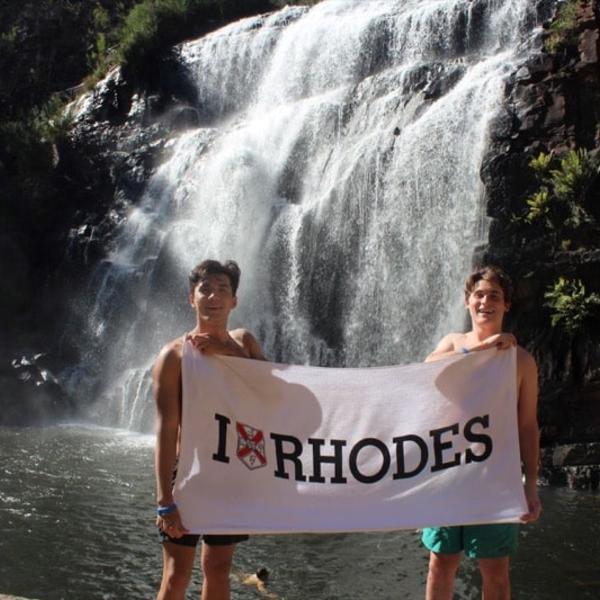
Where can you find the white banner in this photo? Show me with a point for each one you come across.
(274, 448)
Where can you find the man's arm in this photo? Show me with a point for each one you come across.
(529, 433)
(167, 393)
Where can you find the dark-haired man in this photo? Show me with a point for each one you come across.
(213, 288)
(488, 293)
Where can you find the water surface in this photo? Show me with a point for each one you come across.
(76, 522)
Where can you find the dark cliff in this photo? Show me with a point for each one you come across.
(553, 108)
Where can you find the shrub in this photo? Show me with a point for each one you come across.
(560, 200)
(574, 176)
(138, 33)
(539, 207)
(27, 164)
(50, 120)
(563, 30)
(153, 25)
(142, 34)
(571, 306)
(541, 163)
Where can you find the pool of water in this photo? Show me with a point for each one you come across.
(77, 513)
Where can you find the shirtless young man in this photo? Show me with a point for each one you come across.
(213, 288)
(487, 297)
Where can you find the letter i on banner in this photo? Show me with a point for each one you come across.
(221, 453)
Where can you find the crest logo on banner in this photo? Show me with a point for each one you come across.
(251, 446)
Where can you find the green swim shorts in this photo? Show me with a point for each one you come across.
(478, 541)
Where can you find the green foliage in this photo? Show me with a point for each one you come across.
(560, 201)
(565, 244)
(44, 47)
(27, 154)
(101, 19)
(541, 163)
(8, 39)
(27, 163)
(572, 307)
(149, 27)
(539, 206)
(22, 148)
(563, 30)
(563, 214)
(39, 53)
(50, 121)
(574, 176)
(102, 52)
(101, 44)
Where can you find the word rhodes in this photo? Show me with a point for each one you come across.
(290, 451)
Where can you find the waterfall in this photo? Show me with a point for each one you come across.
(338, 161)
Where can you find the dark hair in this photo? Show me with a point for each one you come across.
(262, 574)
(490, 272)
(214, 267)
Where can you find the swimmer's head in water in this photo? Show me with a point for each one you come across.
(262, 574)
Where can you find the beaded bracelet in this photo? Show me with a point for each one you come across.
(162, 511)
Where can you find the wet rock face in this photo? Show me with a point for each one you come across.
(32, 394)
(16, 270)
(117, 139)
(115, 142)
(553, 105)
(575, 465)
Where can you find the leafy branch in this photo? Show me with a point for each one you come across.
(572, 307)
(563, 30)
(560, 200)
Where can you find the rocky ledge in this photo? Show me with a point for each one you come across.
(575, 465)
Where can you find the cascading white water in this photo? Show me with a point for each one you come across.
(338, 163)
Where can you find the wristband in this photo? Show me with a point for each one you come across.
(465, 350)
(162, 511)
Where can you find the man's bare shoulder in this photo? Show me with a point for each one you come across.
(449, 344)
(170, 355)
(241, 334)
(452, 341)
(166, 377)
(247, 341)
(525, 360)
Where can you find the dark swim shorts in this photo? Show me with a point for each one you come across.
(192, 540)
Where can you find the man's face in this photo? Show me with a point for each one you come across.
(486, 303)
(213, 298)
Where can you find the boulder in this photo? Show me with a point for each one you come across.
(32, 394)
(574, 465)
(569, 455)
